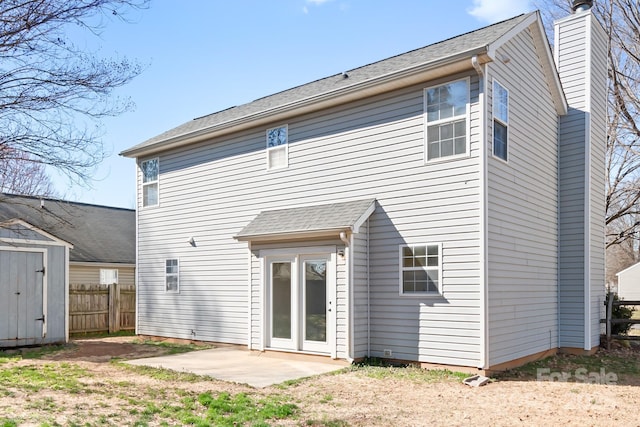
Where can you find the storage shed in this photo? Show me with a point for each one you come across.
(34, 272)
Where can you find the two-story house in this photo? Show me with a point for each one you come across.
(443, 206)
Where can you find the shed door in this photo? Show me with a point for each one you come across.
(21, 295)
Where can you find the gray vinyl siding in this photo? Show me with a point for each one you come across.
(373, 148)
(522, 228)
(85, 274)
(581, 253)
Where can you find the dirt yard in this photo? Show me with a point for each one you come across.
(110, 394)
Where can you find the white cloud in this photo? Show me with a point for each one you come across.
(318, 2)
(497, 10)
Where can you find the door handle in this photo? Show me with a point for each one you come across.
(41, 318)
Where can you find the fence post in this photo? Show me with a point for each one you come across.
(114, 308)
(609, 315)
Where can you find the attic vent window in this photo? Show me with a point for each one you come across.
(277, 147)
(447, 110)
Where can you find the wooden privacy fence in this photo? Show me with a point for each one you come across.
(610, 320)
(101, 308)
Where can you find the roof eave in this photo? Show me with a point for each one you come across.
(292, 235)
(409, 76)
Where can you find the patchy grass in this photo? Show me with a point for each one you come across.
(34, 378)
(173, 348)
(29, 352)
(90, 335)
(376, 368)
(625, 366)
(159, 373)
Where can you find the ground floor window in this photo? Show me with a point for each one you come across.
(172, 278)
(420, 269)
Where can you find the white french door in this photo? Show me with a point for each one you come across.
(300, 302)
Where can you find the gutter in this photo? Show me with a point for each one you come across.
(403, 78)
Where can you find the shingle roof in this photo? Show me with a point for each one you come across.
(97, 233)
(308, 219)
(469, 42)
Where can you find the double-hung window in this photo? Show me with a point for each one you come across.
(420, 269)
(172, 275)
(447, 111)
(150, 174)
(278, 147)
(500, 121)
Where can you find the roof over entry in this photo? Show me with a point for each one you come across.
(309, 221)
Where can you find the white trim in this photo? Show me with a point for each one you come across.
(136, 273)
(587, 191)
(66, 294)
(440, 292)
(350, 327)
(355, 228)
(484, 220)
(101, 264)
(54, 241)
(249, 331)
(467, 118)
(304, 250)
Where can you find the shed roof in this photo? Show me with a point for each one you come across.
(320, 220)
(99, 234)
(292, 100)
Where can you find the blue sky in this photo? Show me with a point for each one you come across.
(202, 56)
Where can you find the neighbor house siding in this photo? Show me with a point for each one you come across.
(371, 148)
(86, 274)
(522, 210)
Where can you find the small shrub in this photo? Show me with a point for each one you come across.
(619, 312)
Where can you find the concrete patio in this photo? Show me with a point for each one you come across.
(256, 369)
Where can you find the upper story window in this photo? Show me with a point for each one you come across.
(277, 147)
(108, 276)
(500, 121)
(172, 275)
(420, 269)
(447, 108)
(150, 169)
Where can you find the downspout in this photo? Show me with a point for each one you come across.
(484, 291)
(347, 273)
(368, 296)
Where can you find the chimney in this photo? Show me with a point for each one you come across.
(581, 59)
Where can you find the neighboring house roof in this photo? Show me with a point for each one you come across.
(98, 234)
(308, 221)
(398, 71)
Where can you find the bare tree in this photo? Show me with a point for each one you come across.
(24, 176)
(621, 20)
(52, 93)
